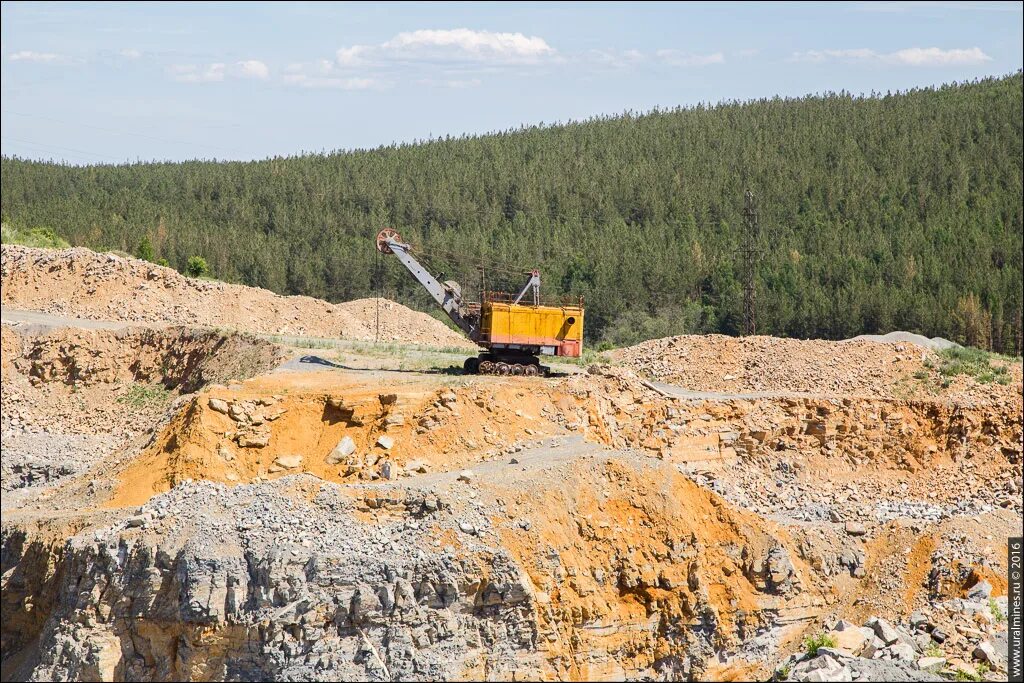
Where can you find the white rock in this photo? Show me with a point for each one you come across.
(289, 461)
(218, 405)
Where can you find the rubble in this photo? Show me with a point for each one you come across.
(80, 283)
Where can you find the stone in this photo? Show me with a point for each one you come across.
(931, 663)
(980, 591)
(902, 651)
(855, 528)
(986, 653)
(884, 630)
(218, 405)
(225, 453)
(959, 665)
(823, 668)
(396, 420)
(939, 636)
(390, 471)
(385, 442)
(418, 466)
(849, 640)
(288, 461)
(466, 476)
(873, 646)
(344, 449)
(920, 620)
(255, 440)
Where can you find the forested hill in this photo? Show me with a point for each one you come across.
(901, 211)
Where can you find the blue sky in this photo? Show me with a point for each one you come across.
(103, 83)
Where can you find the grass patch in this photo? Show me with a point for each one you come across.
(983, 366)
(32, 237)
(997, 613)
(813, 643)
(934, 651)
(144, 395)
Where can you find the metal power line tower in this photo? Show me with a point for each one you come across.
(751, 254)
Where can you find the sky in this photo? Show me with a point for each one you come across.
(88, 83)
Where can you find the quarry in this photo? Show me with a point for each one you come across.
(205, 481)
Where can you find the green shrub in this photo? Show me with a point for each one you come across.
(145, 250)
(33, 237)
(197, 267)
(144, 395)
(997, 613)
(812, 643)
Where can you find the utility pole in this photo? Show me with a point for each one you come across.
(751, 247)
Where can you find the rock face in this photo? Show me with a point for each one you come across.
(298, 579)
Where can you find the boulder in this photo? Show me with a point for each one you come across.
(931, 663)
(903, 652)
(254, 440)
(849, 640)
(344, 449)
(884, 630)
(822, 668)
(390, 471)
(385, 442)
(289, 461)
(855, 529)
(986, 653)
(218, 405)
(980, 592)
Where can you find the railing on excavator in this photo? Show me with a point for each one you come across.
(496, 297)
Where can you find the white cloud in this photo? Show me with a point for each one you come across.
(38, 57)
(613, 59)
(921, 5)
(218, 71)
(130, 53)
(253, 68)
(913, 56)
(933, 56)
(190, 73)
(680, 58)
(460, 44)
(454, 83)
(330, 82)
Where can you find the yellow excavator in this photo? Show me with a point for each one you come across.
(514, 330)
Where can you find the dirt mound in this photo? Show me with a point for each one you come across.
(72, 396)
(177, 357)
(936, 343)
(855, 367)
(338, 431)
(82, 283)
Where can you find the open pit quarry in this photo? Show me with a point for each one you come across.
(187, 495)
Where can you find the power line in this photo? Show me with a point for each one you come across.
(58, 148)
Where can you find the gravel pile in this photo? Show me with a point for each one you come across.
(81, 283)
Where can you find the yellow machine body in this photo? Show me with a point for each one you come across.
(543, 330)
